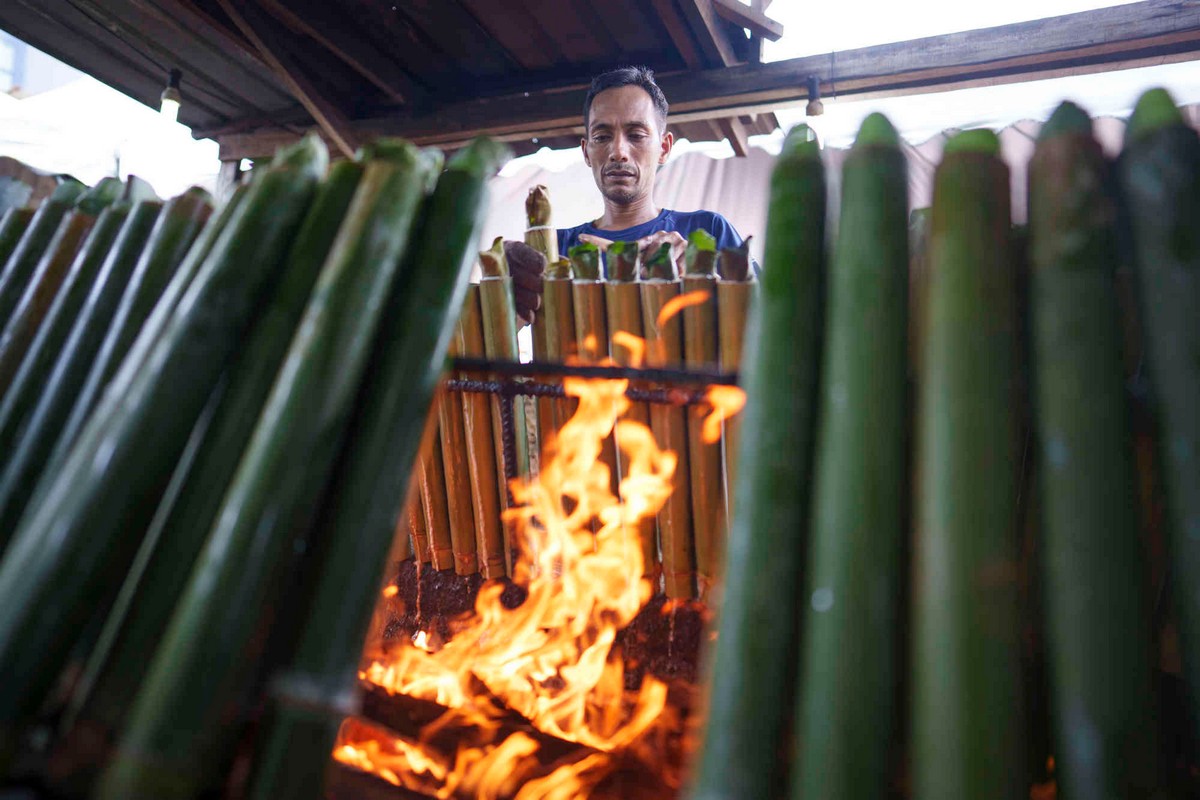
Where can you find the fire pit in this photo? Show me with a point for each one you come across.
(574, 678)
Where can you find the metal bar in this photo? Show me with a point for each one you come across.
(652, 375)
(673, 396)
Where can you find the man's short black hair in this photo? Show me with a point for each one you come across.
(627, 76)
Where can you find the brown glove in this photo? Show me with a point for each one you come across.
(526, 266)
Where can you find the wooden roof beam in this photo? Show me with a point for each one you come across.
(251, 22)
(680, 35)
(315, 22)
(710, 33)
(752, 19)
(733, 130)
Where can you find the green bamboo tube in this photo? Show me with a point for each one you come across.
(500, 344)
(480, 450)
(1159, 173)
(1097, 618)
(750, 667)
(142, 425)
(967, 718)
(175, 745)
(700, 351)
(459, 504)
(623, 305)
(435, 502)
(735, 295)
(541, 235)
(17, 270)
(168, 552)
(664, 347)
(918, 282)
(12, 227)
(558, 311)
(851, 604)
(57, 264)
(183, 235)
(30, 311)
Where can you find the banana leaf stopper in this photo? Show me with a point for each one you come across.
(877, 130)
(1067, 120)
(1154, 111)
(622, 261)
(700, 258)
(537, 206)
(559, 269)
(68, 190)
(976, 140)
(137, 190)
(106, 192)
(733, 263)
(492, 261)
(660, 266)
(585, 261)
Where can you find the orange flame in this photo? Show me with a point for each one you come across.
(725, 401)
(676, 304)
(550, 659)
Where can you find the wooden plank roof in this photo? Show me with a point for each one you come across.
(280, 66)
(257, 73)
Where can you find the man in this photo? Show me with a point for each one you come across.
(625, 142)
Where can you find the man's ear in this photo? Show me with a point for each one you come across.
(668, 141)
(583, 147)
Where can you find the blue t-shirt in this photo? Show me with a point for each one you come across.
(682, 221)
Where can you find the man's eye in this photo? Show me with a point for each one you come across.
(599, 139)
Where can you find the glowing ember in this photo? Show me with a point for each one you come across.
(551, 659)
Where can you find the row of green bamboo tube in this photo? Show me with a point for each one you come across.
(453, 514)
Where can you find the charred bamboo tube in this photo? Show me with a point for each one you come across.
(1098, 633)
(664, 347)
(1160, 179)
(480, 451)
(559, 314)
(591, 331)
(967, 718)
(700, 350)
(288, 460)
(17, 270)
(623, 304)
(849, 656)
(459, 505)
(434, 500)
(735, 295)
(364, 500)
(500, 344)
(416, 519)
(750, 665)
(12, 228)
(541, 235)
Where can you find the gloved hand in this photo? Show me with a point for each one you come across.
(526, 266)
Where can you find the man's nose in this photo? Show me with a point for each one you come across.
(620, 149)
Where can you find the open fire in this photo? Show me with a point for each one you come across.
(553, 662)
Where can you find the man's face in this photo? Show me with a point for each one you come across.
(624, 146)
